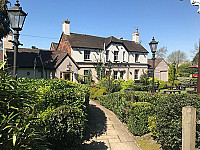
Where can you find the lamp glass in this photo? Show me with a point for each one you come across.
(17, 18)
(153, 45)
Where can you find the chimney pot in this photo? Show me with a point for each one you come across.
(135, 36)
(66, 27)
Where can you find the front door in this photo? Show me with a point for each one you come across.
(67, 76)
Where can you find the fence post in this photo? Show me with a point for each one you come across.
(188, 128)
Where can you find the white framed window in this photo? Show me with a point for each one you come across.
(116, 55)
(136, 74)
(86, 55)
(115, 75)
(136, 57)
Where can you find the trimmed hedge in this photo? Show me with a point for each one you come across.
(168, 119)
(138, 117)
(161, 114)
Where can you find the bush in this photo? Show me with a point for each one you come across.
(144, 79)
(168, 120)
(25, 105)
(64, 127)
(138, 117)
(116, 102)
(96, 91)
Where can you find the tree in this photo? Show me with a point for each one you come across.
(34, 47)
(196, 54)
(177, 56)
(171, 73)
(161, 53)
(4, 21)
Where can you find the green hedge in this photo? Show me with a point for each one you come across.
(168, 119)
(33, 110)
(159, 113)
(138, 117)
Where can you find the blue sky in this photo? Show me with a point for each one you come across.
(175, 24)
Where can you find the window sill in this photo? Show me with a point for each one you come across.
(87, 60)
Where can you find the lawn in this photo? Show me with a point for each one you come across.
(146, 142)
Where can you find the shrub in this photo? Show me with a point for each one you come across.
(26, 103)
(116, 102)
(96, 91)
(144, 79)
(138, 117)
(169, 117)
(64, 127)
(127, 84)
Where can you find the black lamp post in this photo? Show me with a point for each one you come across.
(109, 67)
(174, 69)
(153, 46)
(34, 67)
(17, 17)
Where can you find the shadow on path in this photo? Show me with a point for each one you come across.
(96, 126)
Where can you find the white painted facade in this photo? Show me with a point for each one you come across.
(126, 62)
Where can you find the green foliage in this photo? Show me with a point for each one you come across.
(64, 127)
(127, 84)
(168, 119)
(111, 85)
(144, 79)
(100, 69)
(138, 117)
(184, 70)
(171, 73)
(4, 21)
(29, 106)
(96, 91)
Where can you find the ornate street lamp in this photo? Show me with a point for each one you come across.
(17, 17)
(34, 67)
(174, 65)
(153, 46)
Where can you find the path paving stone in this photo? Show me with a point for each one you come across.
(106, 132)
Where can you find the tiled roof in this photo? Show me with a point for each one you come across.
(54, 46)
(157, 61)
(26, 57)
(94, 42)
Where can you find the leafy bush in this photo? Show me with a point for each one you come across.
(127, 84)
(96, 91)
(168, 120)
(64, 127)
(138, 117)
(111, 85)
(144, 79)
(25, 105)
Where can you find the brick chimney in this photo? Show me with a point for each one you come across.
(135, 36)
(66, 27)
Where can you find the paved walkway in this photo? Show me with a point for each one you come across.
(106, 132)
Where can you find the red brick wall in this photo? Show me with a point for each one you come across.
(64, 45)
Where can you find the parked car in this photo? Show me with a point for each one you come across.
(195, 75)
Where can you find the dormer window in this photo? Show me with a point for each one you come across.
(136, 57)
(86, 55)
(116, 55)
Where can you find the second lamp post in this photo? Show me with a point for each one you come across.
(153, 46)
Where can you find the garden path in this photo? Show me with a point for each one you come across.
(106, 132)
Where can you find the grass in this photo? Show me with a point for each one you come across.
(147, 143)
